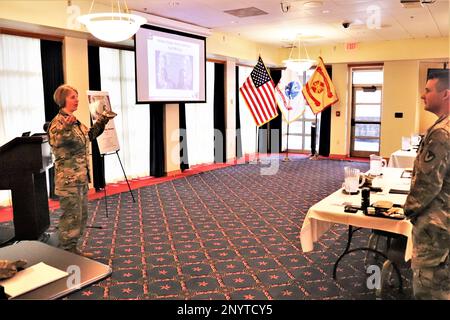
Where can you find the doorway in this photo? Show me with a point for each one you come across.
(367, 97)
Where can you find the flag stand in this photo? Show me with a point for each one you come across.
(314, 155)
(286, 157)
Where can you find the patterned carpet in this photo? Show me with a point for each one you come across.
(229, 233)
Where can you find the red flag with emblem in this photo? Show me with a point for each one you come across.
(319, 91)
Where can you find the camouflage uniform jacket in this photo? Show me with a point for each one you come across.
(428, 201)
(70, 148)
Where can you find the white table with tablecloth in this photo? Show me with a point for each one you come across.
(324, 214)
(402, 159)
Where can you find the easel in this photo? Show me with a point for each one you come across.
(123, 170)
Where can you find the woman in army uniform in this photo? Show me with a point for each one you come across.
(69, 140)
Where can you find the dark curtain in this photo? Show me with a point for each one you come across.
(219, 113)
(52, 77)
(157, 163)
(275, 124)
(184, 160)
(52, 74)
(263, 139)
(268, 141)
(238, 118)
(98, 163)
(313, 138)
(325, 126)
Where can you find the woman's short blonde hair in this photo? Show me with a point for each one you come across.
(61, 93)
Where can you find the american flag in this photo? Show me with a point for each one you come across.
(258, 92)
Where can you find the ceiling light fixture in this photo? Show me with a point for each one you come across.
(112, 26)
(299, 64)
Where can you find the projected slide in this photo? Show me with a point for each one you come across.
(174, 64)
(170, 67)
(174, 71)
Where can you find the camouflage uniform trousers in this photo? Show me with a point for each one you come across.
(431, 283)
(431, 261)
(74, 216)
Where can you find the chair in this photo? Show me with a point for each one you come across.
(396, 255)
(394, 249)
(374, 242)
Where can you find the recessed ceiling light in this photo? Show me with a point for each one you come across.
(174, 3)
(313, 4)
(326, 11)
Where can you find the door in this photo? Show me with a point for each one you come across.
(366, 111)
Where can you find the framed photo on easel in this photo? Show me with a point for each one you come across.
(99, 102)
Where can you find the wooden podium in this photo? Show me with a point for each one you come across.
(23, 162)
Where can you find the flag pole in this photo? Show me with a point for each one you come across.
(286, 158)
(315, 156)
(257, 139)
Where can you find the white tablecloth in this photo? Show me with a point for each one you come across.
(321, 216)
(402, 159)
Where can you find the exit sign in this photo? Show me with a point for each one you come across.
(349, 46)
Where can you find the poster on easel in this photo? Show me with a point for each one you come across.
(98, 103)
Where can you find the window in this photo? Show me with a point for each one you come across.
(200, 124)
(21, 91)
(132, 122)
(300, 130)
(248, 126)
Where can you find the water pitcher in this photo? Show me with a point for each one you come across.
(352, 179)
(376, 163)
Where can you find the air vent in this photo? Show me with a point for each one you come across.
(246, 12)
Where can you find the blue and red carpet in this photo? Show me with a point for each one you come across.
(229, 233)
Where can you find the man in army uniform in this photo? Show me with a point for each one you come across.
(428, 202)
(69, 140)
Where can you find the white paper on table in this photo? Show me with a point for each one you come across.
(31, 278)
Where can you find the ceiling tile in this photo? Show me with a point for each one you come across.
(431, 21)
